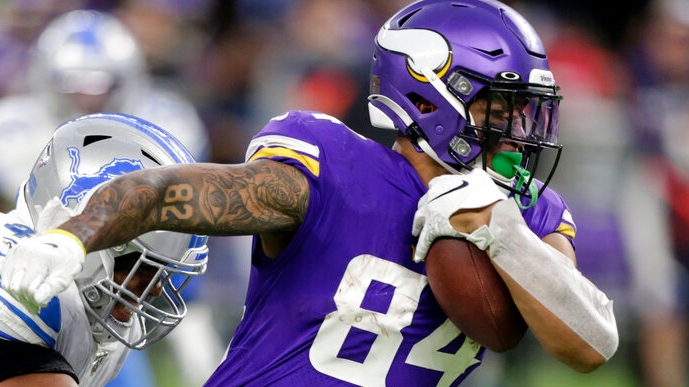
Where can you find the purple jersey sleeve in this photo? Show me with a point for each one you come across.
(550, 215)
(344, 304)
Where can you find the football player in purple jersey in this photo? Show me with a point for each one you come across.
(338, 293)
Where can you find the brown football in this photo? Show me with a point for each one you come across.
(473, 295)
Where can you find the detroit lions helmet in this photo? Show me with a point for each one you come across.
(84, 153)
(448, 52)
(90, 57)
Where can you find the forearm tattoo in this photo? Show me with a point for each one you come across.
(263, 196)
(259, 197)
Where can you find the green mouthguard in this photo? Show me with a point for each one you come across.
(504, 163)
(508, 164)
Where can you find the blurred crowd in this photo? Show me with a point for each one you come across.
(213, 72)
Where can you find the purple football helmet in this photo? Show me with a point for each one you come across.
(447, 52)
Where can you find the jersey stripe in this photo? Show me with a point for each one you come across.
(30, 323)
(267, 153)
(566, 229)
(282, 142)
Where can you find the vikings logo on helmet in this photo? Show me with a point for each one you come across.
(81, 183)
(416, 44)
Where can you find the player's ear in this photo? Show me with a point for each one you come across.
(424, 105)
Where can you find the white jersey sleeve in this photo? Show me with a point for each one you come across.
(62, 325)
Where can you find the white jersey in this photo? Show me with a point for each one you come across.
(25, 128)
(63, 324)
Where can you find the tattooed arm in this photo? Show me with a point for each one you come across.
(261, 197)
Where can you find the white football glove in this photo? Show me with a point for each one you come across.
(446, 195)
(53, 215)
(38, 268)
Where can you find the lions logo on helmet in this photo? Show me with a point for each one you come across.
(84, 153)
(81, 184)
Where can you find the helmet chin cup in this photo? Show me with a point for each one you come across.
(103, 335)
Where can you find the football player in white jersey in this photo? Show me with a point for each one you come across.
(84, 335)
(86, 62)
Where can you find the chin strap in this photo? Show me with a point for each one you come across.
(431, 153)
(103, 335)
(510, 158)
(408, 121)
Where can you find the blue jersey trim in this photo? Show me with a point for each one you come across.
(32, 324)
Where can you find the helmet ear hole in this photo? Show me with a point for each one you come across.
(425, 106)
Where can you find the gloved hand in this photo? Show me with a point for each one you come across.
(53, 215)
(38, 268)
(446, 195)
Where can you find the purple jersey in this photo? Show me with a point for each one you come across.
(344, 304)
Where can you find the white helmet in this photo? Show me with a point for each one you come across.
(84, 153)
(91, 53)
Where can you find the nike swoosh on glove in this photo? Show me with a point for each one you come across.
(446, 195)
(38, 268)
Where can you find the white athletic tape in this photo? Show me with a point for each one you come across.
(537, 266)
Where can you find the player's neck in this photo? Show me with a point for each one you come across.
(425, 166)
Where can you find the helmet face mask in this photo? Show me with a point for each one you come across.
(520, 113)
(82, 154)
(453, 55)
(517, 110)
(144, 288)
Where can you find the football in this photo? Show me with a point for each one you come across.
(473, 295)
